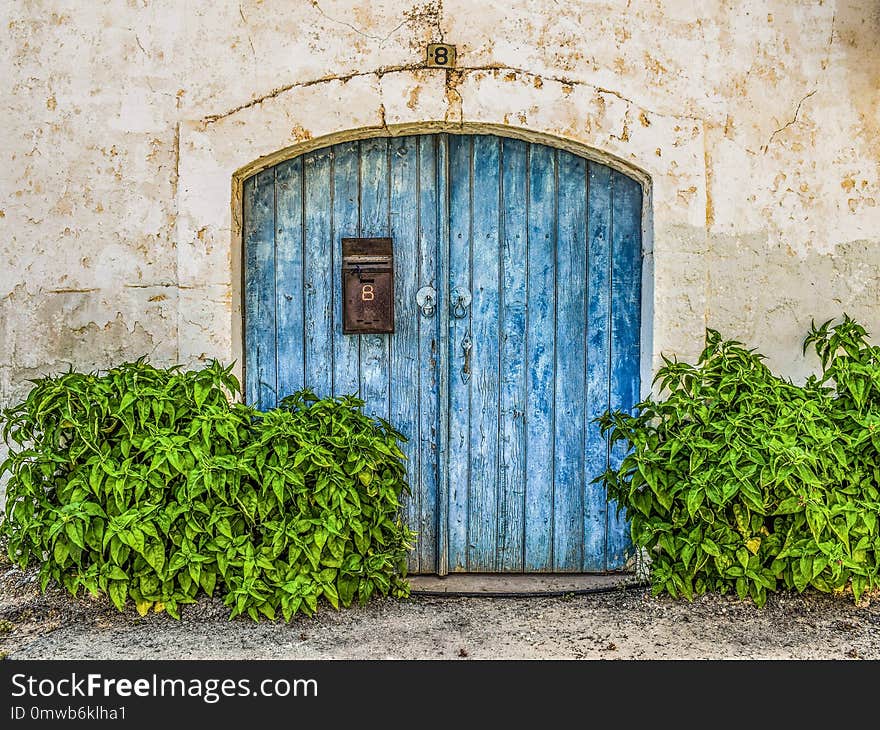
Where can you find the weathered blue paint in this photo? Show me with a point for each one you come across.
(259, 243)
(429, 203)
(404, 345)
(626, 279)
(289, 302)
(483, 383)
(458, 456)
(548, 245)
(539, 359)
(569, 400)
(598, 362)
(346, 222)
(318, 272)
(444, 241)
(512, 324)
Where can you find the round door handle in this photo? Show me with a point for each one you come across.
(426, 298)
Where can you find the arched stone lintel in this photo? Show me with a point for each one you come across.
(216, 154)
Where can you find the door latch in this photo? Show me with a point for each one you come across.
(466, 346)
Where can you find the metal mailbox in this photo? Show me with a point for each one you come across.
(367, 286)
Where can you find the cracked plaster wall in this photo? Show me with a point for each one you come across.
(128, 126)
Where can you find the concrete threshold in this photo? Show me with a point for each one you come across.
(515, 584)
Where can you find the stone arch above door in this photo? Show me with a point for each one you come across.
(218, 152)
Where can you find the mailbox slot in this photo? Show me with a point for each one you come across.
(367, 286)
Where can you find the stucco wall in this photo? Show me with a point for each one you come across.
(128, 127)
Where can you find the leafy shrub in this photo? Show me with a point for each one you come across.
(155, 484)
(741, 479)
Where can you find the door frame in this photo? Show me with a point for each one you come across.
(646, 298)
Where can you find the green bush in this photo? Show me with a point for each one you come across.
(154, 484)
(739, 479)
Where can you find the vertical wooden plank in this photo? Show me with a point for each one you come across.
(259, 241)
(442, 366)
(511, 414)
(404, 345)
(374, 223)
(428, 354)
(626, 280)
(485, 315)
(346, 377)
(317, 272)
(571, 252)
(539, 358)
(289, 276)
(598, 345)
(458, 446)
(249, 256)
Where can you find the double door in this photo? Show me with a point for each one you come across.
(517, 271)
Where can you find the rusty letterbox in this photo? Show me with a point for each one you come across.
(367, 286)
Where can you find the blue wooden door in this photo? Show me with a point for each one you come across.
(534, 256)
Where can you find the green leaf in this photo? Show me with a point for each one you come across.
(201, 392)
(816, 521)
(154, 554)
(116, 550)
(116, 573)
(136, 540)
(208, 579)
(346, 589)
(331, 595)
(278, 488)
(224, 527)
(61, 552)
(709, 547)
(118, 590)
(76, 533)
(694, 499)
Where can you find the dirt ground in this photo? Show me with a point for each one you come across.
(625, 623)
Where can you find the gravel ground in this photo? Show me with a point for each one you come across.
(621, 624)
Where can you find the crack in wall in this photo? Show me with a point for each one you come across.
(439, 21)
(344, 78)
(797, 110)
(247, 31)
(830, 38)
(785, 126)
(458, 72)
(566, 81)
(357, 30)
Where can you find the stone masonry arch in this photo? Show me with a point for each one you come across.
(218, 152)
